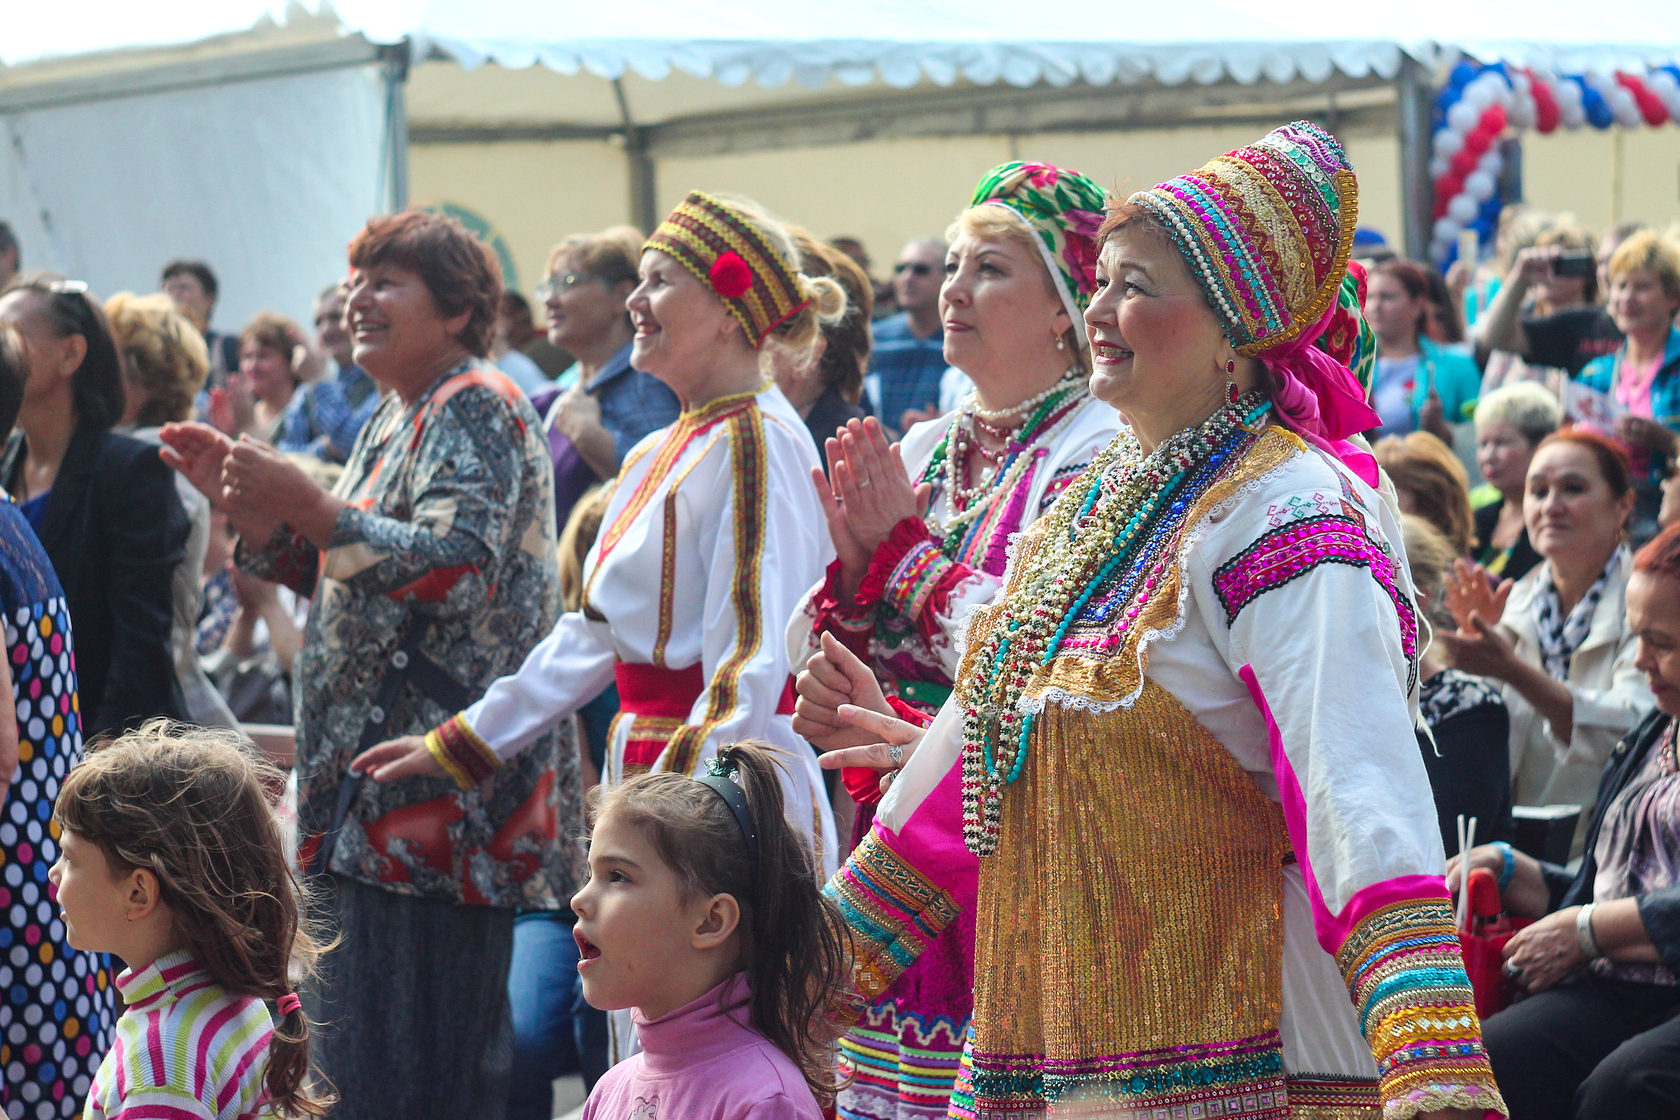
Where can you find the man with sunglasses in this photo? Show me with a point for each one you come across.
(908, 358)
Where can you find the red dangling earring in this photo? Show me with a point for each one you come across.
(1230, 385)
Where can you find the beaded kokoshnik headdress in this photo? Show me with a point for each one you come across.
(1267, 231)
(724, 251)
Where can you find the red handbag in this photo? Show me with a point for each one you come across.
(1483, 942)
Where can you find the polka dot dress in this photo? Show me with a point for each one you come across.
(55, 1002)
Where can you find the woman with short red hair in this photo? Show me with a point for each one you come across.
(431, 572)
(1558, 638)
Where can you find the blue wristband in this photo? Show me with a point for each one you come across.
(1508, 868)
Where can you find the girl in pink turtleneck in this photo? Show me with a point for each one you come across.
(703, 915)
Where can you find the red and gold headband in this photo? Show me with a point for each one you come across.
(723, 250)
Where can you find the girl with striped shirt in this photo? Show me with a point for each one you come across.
(172, 860)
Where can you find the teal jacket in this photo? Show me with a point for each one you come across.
(1600, 374)
(1451, 374)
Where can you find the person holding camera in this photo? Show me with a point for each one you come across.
(1568, 333)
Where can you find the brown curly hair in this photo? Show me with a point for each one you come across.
(189, 805)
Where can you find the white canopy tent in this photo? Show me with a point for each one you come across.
(260, 136)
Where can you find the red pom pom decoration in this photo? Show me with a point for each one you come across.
(731, 276)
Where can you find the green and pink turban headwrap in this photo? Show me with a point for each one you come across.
(1267, 231)
(1062, 209)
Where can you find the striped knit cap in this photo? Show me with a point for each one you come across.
(1267, 231)
(725, 252)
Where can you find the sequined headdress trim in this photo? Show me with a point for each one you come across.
(725, 252)
(1267, 231)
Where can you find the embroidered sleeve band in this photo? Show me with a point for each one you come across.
(1296, 548)
(894, 913)
(1406, 976)
(463, 755)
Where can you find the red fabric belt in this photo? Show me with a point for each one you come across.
(649, 690)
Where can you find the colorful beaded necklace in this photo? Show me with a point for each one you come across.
(1106, 530)
(965, 504)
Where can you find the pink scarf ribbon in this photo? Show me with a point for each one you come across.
(1321, 399)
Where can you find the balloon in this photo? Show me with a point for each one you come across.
(1448, 142)
(1494, 120)
(1465, 162)
(1444, 229)
(1570, 113)
(1462, 117)
(1624, 108)
(1651, 108)
(1567, 91)
(1449, 186)
(1545, 107)
(1522, 111)
(1438, 167)
(1462, 75)
(1599, 113)
(1463, 208)
(1492, 162)
(1480, 185)
(1477, 96)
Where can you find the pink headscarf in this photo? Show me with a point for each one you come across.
(1321, 399)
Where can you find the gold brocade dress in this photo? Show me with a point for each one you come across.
(1221, 833)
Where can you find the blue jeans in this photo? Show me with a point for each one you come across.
(554, 1030)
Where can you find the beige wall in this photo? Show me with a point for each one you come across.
(533, 194)
(887, 192)
(1606, 177)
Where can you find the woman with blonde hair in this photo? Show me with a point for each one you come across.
(1430, 482)
(1644, 374)
(165, 364)
(712, 535)
(922, 533)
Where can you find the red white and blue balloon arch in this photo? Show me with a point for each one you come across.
(1480, 104)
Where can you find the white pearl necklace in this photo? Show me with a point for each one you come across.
(971, 403)
(965, 505)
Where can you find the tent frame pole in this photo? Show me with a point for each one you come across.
(396, 58)
(1415, 93)
(644, 182)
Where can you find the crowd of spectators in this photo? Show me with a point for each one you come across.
(368, 524)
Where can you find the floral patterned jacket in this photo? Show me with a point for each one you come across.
(439, 578)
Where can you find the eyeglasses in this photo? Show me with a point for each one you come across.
(562, 282)
(914, 268)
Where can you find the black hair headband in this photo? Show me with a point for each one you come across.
(720, 779)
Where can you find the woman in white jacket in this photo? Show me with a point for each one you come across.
(1558, 638)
